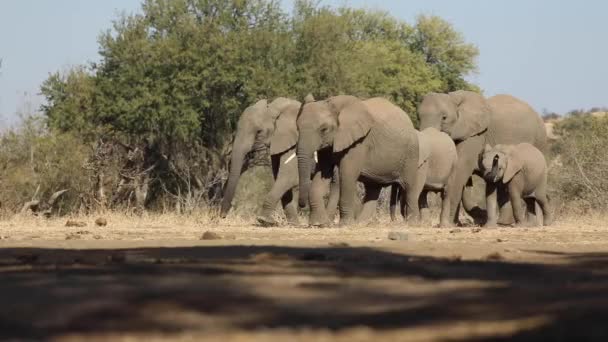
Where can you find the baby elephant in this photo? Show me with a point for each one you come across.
(521, 170)
(436, 161)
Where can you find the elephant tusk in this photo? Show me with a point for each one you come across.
(293, 155)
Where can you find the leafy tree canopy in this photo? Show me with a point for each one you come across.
(181, 71)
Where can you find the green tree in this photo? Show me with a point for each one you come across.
(445, 49)
(69, 103)
(173, 78)
(183, 69)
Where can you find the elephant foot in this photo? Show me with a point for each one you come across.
(347, 223)
(491, 224)
(294, 223)
(265, 221)
(445, 224)
(319, 221)
(321, 225)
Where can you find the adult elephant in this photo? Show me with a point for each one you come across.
(271, 125)
(261, 125)
(371, 141)
(472, 122)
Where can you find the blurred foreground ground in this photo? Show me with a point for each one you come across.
(153, 278)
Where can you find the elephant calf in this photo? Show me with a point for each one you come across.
(437, 160)
(520, 170)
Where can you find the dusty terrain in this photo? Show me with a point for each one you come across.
(153, 278)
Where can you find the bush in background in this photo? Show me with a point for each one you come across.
(158, 111)
(35, 163)
(578, 168)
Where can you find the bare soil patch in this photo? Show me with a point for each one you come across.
(154, 278)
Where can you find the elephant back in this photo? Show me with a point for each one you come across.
(443, 155)
(514, 121)
(385, 111)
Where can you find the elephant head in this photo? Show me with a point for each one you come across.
(260, 126)
(499, 163)
(335, 123)
(461, 114)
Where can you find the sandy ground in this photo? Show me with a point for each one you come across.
(153, 278)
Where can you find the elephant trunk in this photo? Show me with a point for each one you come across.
(305, 154)
(240, 150)
(492, 175)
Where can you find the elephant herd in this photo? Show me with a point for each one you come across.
(324, 148)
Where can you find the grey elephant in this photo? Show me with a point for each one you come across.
(271, 125)
(371, 141)
(472, 121)
(519, 170)
(436, 162)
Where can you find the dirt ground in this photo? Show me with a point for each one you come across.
(146, 279)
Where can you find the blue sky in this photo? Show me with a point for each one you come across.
(551, 53)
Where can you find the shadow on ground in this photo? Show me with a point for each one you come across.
(53, 292)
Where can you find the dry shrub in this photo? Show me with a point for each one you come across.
(578, 169)
(35, 163)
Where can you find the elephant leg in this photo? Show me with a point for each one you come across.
(393, 201)
(517, 202)
(280, 186)
(372, 193)
(279, 189)
(290, 207)
(334, 195)
(402, 203)
(543, 201)
(412, 195)
(444, 218)
(318, 189)
(505, 209)
(531, 216)
(423, 204)
(468, 152)
(289, 172)
(350, 170)
(474, 199)
(491, 205)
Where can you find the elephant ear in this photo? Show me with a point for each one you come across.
(514, 165)
(285, 134)
(354, 122)
(424, 148)
(337, 103)
(473, 114)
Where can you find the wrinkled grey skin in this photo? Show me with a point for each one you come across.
(436, 162)
(472, 121)
(520, 171)
(371, 141)
(264, 125)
